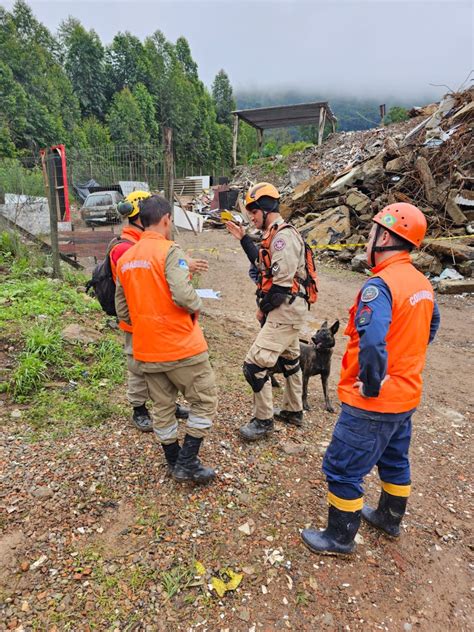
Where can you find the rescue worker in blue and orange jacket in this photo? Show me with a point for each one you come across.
(393, 320)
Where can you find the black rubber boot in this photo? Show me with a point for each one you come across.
(294, 418)
(188, 467)
(141, 418)
(256, 429)
(388, 515)
(338, 537)
(171, 451)
(181, 412)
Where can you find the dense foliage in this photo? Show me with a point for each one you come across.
(72, 89)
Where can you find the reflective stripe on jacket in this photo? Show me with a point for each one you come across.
(406, 342)
(162, 331)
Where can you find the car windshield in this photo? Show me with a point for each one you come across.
(98, 200)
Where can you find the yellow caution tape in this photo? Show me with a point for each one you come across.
(343, 246)
(217, 251)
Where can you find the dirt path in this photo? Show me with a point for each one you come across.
(114, 529)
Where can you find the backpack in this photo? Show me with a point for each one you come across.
(310, 283)
(102, 281)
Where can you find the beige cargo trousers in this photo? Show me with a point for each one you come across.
(276, 340)
(137, 389)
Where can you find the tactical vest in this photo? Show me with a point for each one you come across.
(265, 276)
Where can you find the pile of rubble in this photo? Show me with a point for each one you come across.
(430, 166)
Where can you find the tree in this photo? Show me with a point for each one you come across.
(85, 67)
(96, 134)
(147, 108)
(223, 98)
(126, 123)
(125, 62)
(396, 114)
(183, 54)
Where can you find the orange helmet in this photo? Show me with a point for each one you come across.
(405, 220)
(259, 190)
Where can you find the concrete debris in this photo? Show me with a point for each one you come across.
(426, 162)
(456, 287)
(331, 227)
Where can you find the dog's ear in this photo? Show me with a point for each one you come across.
(324, 325)
(334, 328)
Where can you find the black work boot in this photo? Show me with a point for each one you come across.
(141, 418)
(171, 451)
(256, 429)
(292, 417)
(188, 467)
(181, 412)
(388, 515)
(338, 537)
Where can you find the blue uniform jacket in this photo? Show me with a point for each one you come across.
(372, 322)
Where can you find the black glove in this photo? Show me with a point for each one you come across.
(274, 298)
(250, 249)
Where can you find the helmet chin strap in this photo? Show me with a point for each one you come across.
(376, 248)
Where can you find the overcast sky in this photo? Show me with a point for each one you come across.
(377, 48)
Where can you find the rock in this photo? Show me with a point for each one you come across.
(24, 566)
(78, 333)
(425, 262)
(359, 263)
(327, 619)
(373, 169)
(248, 528)
(398, 165)
(244, 614)
(466, 268)
(426, 177)
(42, 492)
(291, 448)
(311, 188)
(456, 287)
(455, 251)
(15, 414)
(39, 562)
(330, 227)
(391, 148)
(358, 201)
(345, 255)
(345, 181)
(407, 627)
(299, 175)
(454, 211)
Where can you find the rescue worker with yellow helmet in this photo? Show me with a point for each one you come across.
(137, 391)
(394, 318)
(282, 310)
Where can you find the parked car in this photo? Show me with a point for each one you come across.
(101, 208)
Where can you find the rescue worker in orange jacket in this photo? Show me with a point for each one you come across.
(393, 320)
(282, 310)
(137, 390)
(154, 293)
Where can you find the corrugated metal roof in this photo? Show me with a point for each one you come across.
(285, 115)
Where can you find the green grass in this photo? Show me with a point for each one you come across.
(27, 377)
(66, 386)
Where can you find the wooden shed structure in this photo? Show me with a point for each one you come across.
(283, 116)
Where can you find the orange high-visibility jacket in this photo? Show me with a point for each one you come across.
(162, 331)
(407, 340)
(132, 235)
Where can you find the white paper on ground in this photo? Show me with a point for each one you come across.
(208, 294)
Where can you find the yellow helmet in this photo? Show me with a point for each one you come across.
(130, 205)
(259, 190)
